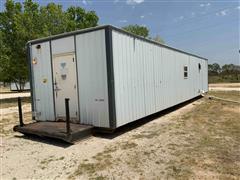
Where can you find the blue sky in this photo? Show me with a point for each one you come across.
(207, 28)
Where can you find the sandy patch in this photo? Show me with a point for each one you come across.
(225, 85)
(14, 95)
(224, 89)
(189, 142)
(25, 108)
(35, 158)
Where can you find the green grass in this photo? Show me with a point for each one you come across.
(202, 143)
(224, 79)
(45, 162)
(214, 144)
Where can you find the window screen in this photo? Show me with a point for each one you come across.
(185, 71)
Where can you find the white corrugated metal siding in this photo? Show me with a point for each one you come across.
(42, 82)
(92, 76)
(63, 45)
(149, 78)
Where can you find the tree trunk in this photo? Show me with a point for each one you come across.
(20, 85)
(16, 84)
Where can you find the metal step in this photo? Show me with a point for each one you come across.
(56, 130)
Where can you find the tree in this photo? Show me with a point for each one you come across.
(20, 23)
(142, 31)
(13, 61)
(158, 39)
(214, 69)
(231, 70)
(4, 59)
(78, 18)
(53, 19)
(138, 30)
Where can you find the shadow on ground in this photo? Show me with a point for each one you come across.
(45, 140)
(103, 133)
(133, 125)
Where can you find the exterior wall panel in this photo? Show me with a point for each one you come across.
(42, 82)
(150, 78)
(63, 45)
(92, 77)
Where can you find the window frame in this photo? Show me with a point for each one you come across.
(185, 72)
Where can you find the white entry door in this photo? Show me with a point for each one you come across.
(65, 86)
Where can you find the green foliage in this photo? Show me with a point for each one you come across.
(142, 31)
(138, 30)
(158, 39)
(224, 79)
(78, 18)
(13, 64)
(53, 19)
(226, 73)
(214, 69)
(20, 23)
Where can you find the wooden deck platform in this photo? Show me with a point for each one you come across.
(56, 130)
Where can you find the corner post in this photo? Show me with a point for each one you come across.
(20, 112)
(67, 116)
(110, 77)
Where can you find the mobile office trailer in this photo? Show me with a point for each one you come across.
(112, 77)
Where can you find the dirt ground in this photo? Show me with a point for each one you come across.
(14, 95)
(199, 140)
(225, 87)
(4, 89)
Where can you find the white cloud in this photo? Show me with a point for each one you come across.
(180, 18)
(222, 13)
(205, 5)
(115, 1)
(133, 2)
(123, 21)
(142, 16)
(150, 13)
(84, 2)
(238, 7)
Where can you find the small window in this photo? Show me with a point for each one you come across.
(199, 67)
(185, 72)
(185, 68)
